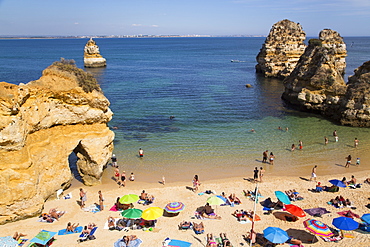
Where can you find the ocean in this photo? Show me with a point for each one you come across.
(147, 80)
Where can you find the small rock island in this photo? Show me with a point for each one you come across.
(92, 57)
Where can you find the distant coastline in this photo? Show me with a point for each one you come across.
(124, 36)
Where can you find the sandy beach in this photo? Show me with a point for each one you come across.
(171, 192)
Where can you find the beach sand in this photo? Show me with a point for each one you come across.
(171, 192)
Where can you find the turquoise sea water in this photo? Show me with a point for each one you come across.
(193, 79)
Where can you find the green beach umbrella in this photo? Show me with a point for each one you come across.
(130, 198)
(132, 213)
(215, 200)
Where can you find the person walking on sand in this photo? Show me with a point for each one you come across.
(313, 174)
(357, 161)
(141, 153)
(356, 142)
(255, 174)
(348, 162)
(101, 200)
(272, 158)
(83, 197)
(264, 156)
(262, 171)
(163, 180)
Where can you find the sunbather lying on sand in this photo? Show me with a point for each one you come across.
(339, 201)
(17, 235)
(198, 228)
(71, 227)
(56, 214)
(210, 241)
(234, 199)
(225, 241)
(111, 223)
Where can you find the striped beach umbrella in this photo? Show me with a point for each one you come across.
(174, 207)
(317, 227)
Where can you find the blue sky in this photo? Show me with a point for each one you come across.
(182, 17)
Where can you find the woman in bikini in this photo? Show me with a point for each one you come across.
(210, 241)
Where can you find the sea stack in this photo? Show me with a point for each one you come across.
(92, 57)
(282, 49)
(42, 123)
(317, 84)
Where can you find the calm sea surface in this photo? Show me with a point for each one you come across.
(193, 79)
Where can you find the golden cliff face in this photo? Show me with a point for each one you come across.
(41, 124)
(282, 49)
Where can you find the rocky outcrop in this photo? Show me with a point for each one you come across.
(316, 84)
(92, 57)
(282, 49)
(41, 124)
(356, 104)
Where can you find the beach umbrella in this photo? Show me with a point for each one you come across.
(281, 196)
(215, 200)
(295, 210)
(127, 199)
(317, 227)
(345, 223)
(152, 213)
(338, 183)
(132, 213)
(317, 212)
(43, 237)
(366, 218)
(174, 207)
(8, 241)
(275, 235)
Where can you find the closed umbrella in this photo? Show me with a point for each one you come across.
(174, 207)
(132, 213)
(317, 227)
(282, 197)
(345, 223)
(295, 210)
(275, 235)
(127, 199)
(152, 213)
(338, 183)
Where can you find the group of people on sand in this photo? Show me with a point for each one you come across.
(120, 178)
(52, 215)
(243, 215)
(211, 240)
(258, 174)
(340, 202)
(208, 212)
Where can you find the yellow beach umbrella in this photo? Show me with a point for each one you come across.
(152, 213)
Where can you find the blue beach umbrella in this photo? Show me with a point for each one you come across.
(275, 235)
(338, 183)
(366, 218)
(282, 197)
(345, 223)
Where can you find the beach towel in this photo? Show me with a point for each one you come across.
(22, 241)
(92, 208)
(64, 231)
(51, 220)
(176, 243)
(134, 243)
(317, 212)
(114, 208)
(349, 213)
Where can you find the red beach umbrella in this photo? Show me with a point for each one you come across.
(295, 210)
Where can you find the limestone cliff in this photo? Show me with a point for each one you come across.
(317, 82)
(282, 49)
(356, 105)
(41, 124)
(92, 57)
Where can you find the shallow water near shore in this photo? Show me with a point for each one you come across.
(194, 80)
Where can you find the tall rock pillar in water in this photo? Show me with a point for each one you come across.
(282, 49)
(92, 57)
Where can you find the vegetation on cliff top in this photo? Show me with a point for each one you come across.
(85, 80)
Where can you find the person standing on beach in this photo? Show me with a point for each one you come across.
(262, 171)
(114, 161)
(356, 142)
(196, 183)
(300, 144)
(264, 156)
(116, 174)
(255, 174)
(326, 140)
(83, 197)
(348, 158)
(272, 157)
(141, 153)
(357, 161)
(313, 174)
(335, 135)
(123, 180)
(163, 180)
(101, 200)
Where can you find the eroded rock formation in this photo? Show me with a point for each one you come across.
(356, 104)
(282, 49)
(92, 57)
(316, 84)
(41, 124)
